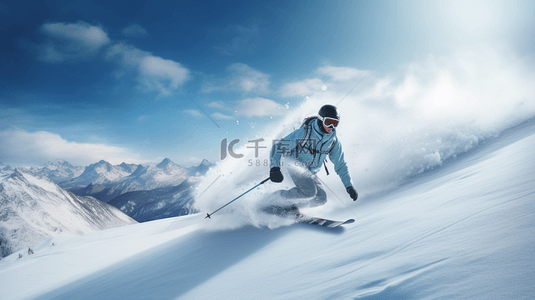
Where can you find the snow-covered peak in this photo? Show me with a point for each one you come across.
(165, 161)
(140, 169)
(201, 169)
(58, 164)
(205, 162)
(5, 171)
(4, 168)
(58, 170)
(163, 174)
(130, 168)
(99, 173)
(99, 167)
(15, 174)
(23, 178)
(167, 165)
(33, 208)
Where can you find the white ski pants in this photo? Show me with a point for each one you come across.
(308, 191)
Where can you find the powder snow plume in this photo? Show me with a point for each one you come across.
(393, 126)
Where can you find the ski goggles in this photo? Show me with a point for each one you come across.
(330, 122)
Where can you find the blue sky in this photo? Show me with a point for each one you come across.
(139, 81)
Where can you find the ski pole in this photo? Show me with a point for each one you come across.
(208, 216)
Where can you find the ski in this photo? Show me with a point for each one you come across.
(323, 222)
(294, 213)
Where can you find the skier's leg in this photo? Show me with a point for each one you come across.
(305, 187)
(321, 195)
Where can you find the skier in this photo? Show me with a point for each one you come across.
(310, 145)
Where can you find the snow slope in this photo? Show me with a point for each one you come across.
(464, 230)
(34, 208)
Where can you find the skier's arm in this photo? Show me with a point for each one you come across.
(340, 165)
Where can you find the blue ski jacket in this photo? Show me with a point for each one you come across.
(311, 151)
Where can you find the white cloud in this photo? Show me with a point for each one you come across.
(259, 107)
(153, 72)
(193, 112)
(220, 116)
(301, 88)
(240, 78)
(214, 85)
(69, 41)
(243, 39)
(36, 148)
(340, 77)
(135, 31)
(127, 55)
(248, 79)
(161, 74)
(217, 105)
(341, 73)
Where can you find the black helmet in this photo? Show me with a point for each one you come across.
(329, 111)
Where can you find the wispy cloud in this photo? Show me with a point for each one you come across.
(36, 148)
(240, 78)
(259, 107)
(239, 39)
(156, 71)
(301, 88)
(220, 116)
(135, 31)
(217, 105)
(193, 112)
(342, 73)
(341, 77)
(153, 72)
(248, 79)
(70, 41)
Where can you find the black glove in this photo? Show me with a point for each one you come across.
(352, 193)
(275, 174)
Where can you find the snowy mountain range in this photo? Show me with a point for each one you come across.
(99, 173)
(158, 203)
(105, 182)
(57, 171)
(33, 208)
(33, 205)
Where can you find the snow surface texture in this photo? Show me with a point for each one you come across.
(32, 209)
(463, 231)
